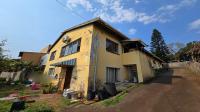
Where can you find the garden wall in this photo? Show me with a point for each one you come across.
(193, 67)
(14, 76)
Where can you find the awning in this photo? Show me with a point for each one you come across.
(70, 62)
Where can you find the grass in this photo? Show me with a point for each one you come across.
(5, 106)
(20, 89)
(39, 106)
(114, 100)
(119, 97)
(49, 105)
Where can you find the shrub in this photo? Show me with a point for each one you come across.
(50, 89)
(2, 79)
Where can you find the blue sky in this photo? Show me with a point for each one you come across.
(29, 25)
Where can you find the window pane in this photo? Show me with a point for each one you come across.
(71, 48)
(111, 46)
(52, 55)
(111, 75)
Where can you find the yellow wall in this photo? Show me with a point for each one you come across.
(146, 67)
(104, 58)
(107, 59)
(81, 70)
(93, 59)
(131, 58)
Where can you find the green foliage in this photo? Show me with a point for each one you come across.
(5, 106)
(2, 44)
(50, 89)
(30, 107)
(159, 47)
(119, 97)
(114, 100)
(2, 79)
(65, 102)
(190, 52)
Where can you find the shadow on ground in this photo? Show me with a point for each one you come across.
(164, 78)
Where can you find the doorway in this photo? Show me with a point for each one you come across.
(68, 77)
(133, 75)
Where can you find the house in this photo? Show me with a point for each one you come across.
(92, 53)
(36, 58)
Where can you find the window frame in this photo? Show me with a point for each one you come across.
(71, 48)
(116, 47)
(53, 72)
(116, 75)
(54, 52)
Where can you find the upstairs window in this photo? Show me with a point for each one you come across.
(111, 46)
(71, 48)
(53, 54)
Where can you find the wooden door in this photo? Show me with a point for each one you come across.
(68, 77)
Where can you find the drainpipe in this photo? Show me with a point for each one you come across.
(95, 48)
(96, 61)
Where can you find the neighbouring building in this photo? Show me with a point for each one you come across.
(36, 58)
(92, 53)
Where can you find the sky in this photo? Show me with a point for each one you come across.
(29, 25)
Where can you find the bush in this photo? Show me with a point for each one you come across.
(2, 79)
(39, 107)
(50, 89)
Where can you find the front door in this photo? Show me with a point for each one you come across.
(68, 77)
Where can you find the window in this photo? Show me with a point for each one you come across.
(71, 48)
(111, 74)
(53, 54)
(51, 72)
(111, 46)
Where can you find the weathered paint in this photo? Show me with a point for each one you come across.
(92, 60)
(80, 72)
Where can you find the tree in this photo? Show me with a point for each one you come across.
(2, 44)
(159, 47)
(190, 52)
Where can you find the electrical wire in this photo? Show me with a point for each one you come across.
(73, 12)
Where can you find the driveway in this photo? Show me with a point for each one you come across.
(175, 91)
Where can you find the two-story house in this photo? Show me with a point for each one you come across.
(92, 53)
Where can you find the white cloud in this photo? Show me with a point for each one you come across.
(137, 1)
(195, 25)
(172, 8)
(116, 12)
(132, 31)
(84, 3)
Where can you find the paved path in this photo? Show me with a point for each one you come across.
(176, 91)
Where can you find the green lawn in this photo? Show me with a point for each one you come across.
(20, 89)
(119, 97)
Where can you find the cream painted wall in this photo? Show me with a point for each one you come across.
(131, 58)
(80, 72)
(107, 59)
(146, 67)
(93, 59)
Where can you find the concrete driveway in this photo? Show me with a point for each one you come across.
(176, 91)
